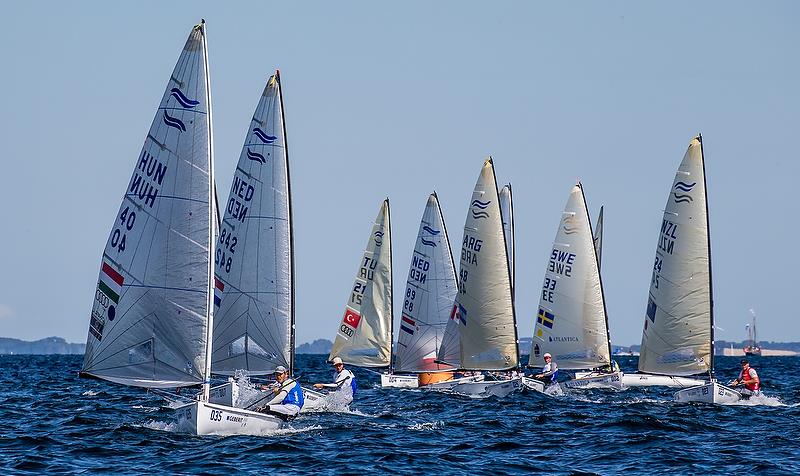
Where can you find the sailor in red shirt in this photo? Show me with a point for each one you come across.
(749, 378)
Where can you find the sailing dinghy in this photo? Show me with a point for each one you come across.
(572, 323)
(152, 317)
(483, 312)
(430, 291)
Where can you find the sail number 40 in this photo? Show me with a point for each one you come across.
(118, 237)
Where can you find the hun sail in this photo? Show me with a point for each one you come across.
(677, 325)
(571, 318)
(253, 322)
(364, 336)
(151, 311)
(483, 310)
(430, 290)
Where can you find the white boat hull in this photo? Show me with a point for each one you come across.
(650, 380)
(553, 390)
(225, 394)
(486, 389)
(202, 418)
(399, 381)
(711, 392)
(590, 380)
(448, 385)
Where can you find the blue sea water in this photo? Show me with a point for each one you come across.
(53, 422)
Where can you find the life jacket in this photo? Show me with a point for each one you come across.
(294, 395)
(353, 384)
(753, 387)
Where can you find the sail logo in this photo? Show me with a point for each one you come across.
(478, 209)
(459, 313)
(431, 231)
(219, 288)
(406, 322)
(545, 318)
(683, 187)
(651, 310)
(182, 99)
(378, 238)
(570, 224)
(350, 323)
(174, 122)
(263, 136)
(254, 156)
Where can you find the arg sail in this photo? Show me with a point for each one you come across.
(254, 279)
(678, 319)
(430, 290)
(364, 337)
(571, 321)
(152, 306)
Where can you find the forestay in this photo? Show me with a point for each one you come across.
(571, 319)
(483, 307)
(677, 326)
(364, 335)
(150, 316)
(253, 324)
(430, 291)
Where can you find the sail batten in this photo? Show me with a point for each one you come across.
(149, 321)
(677, 334)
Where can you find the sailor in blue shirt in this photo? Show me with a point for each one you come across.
(288, 398)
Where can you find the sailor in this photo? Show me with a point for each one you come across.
(749, 378)
(549, 371)
(288, 399)
(344, 386)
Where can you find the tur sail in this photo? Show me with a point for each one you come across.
(507, 212)
(677, 337)
(483, 311)
(430, 291)
(150, 319)
(598, 237)
(254, 279)
(364, 337)
(571, 321)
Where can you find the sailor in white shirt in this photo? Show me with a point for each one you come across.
(344, 386)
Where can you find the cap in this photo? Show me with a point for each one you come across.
(546, 355)
(280, 370)
(337, 361)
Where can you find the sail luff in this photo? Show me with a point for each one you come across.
(708, 241)
(211, 221)
(391, 286)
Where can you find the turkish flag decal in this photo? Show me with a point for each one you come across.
(351, 318)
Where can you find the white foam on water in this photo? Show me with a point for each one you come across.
(168, 426)
(427, 426)
(759, 400)
(90, 393)
(145, 408)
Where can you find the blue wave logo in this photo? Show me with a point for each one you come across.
(431, 230)
(570, 226)
(683, 187)
(479, 209)
(427, 243)
(174, 122)
(255, 156)
(378, 238)
(181, 98)
(265, 138)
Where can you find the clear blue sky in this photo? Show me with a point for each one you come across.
(399, 99)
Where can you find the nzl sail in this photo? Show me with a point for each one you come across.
(430, 290)
(571, 322)
(364, 337)
(254, 279)
(152, 306)
(677, 337)
(483, 313)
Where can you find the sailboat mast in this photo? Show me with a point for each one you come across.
(708, 236)
(291, 227)
(212, 220)
(599, 275)
(391, 295)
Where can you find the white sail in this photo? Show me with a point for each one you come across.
(253, 322)
(677, 326)
(507, 212)
(430, 291)
(150, 317)
(571, 319)
(364, 337)
(483, 306)
(598, 237)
